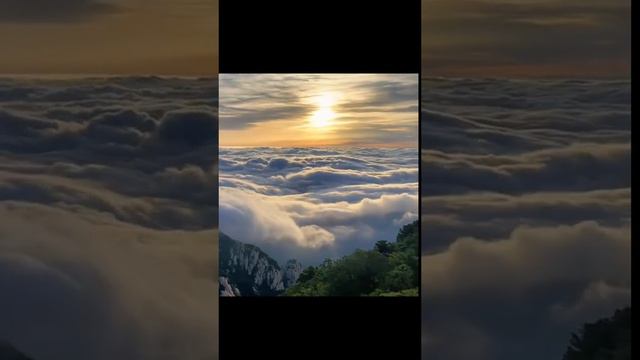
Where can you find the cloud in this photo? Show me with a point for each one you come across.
(511, 116)
(71, 284)
(255, 218)
(311, 204)
(369, 109)
(545, 280)
(526, 190)
(490, 215)
(239, 118)
(589, 164)
(310, 178)
(193, 128)
(102, 190)
(60, 11)
(456, 269)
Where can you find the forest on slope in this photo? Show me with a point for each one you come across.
(389, 269)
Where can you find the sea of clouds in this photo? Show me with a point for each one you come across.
(108, 201)
(316, 203)
(526, 213)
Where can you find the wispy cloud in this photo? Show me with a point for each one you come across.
(307, 110)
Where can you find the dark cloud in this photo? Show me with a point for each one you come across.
(525, 213)
(69, 290)
(125, 119)
(243, 118)
(189, 128)
(590, 166)
(489, 215)
(522, 296)
(507, 116)
(37, 11)
(100, 179)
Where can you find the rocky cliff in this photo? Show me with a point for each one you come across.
(246, 270)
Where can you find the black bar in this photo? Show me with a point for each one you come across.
(328, 36)
(329, 328)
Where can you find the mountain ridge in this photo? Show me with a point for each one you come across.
(389, 269)
(246, 270)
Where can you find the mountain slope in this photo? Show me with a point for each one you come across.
(246, 270)
(389, 269)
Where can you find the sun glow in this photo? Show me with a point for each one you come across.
(318, 110)
(324, 115)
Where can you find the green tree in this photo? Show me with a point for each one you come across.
(389, 269)
(401, 277)
(407, 239)
(307, 274)
(605, 339)
(357, 274)
(383, 247)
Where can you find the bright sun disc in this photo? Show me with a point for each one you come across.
(322, 117)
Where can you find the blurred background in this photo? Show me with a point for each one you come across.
(108, 179)
(526, 176)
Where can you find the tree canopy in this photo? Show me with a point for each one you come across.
(389, 269)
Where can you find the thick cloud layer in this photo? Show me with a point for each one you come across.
(314, 203)
(108, 195)
(526, 213)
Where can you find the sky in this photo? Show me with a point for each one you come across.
(319, 110)
(526, 38)
(160, 37)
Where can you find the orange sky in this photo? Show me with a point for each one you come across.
(163, 37)
(318, 110)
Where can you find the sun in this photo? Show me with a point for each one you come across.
(324, 115)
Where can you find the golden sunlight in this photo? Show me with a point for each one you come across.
(323, 116)
(317, 110)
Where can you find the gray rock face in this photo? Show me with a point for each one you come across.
(292, 271)
(226, 289)
(246, 270)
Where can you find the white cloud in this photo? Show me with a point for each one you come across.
(329, 202)
(257, 218)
